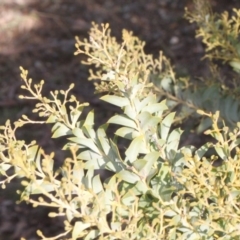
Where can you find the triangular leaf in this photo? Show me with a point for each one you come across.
(166, 125)
(116, 100)
(123, 120)
(136, 147)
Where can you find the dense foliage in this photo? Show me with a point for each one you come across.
(156, 189)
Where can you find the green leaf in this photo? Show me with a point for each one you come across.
(135, 90)
(116, 226)
(78, 229)
(170, 213)
(123, 120)
(162, 183)
(38, 186)
(89, 131)
(127, 199)
(104, 144)
(144, 118)
(78, 171)
(225, 108)
(127, 133)
(109, 76)
(78, 132)
(234, 194)
(166, 84)
(150, 158)
(96, 163)
(140, 188)
(235, 65)
(166, 125)
(137, 146)
(102, 130)
(201, 151)
(130, 112)
(59, 130)
(156, 108)
(139, 164)
(234, 144)
(190, 235)
(87, 180)
(102, 139)
(115, 100)
(75, 114)
(117, 161)
(35, 156)
(147, 121)
(140, 106)
(173, 140)
(4, 167)
(97, 185)
(89, 121)
(151, 174)
(88, 155)
(69, 215)
(172, 234)
(128, 176)
(221, 153)
(110, 159)
(92, 234)
(51, 119)
(85, 142)
(176, 220)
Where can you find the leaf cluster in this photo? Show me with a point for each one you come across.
(220, 33)
(156, 189)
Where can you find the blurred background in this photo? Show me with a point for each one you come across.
(39, 36)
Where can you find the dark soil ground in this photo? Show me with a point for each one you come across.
(39, 35)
